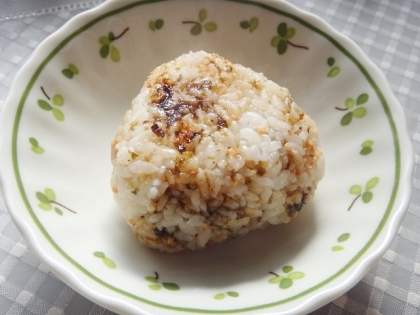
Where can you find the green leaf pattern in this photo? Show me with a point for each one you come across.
(57, 101)
(107, 261)
(70, 71)
(366, 147)
(156, 24)
(156, 285)
(221, 296)
(353, 109)
(288, 278)
(282, 40)
(35, 147)
(108, 48)
(364, 192)
(341, 239)
(335, 70)
(202, 23)
(47, 201)
(250, 25)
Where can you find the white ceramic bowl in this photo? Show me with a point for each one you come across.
(67, 101)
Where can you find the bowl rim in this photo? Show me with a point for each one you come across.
(53, 44)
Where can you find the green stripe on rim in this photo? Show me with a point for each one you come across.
(357, 63)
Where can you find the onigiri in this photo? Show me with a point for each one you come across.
(209, 151)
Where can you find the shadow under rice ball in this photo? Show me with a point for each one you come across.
(210, 150)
